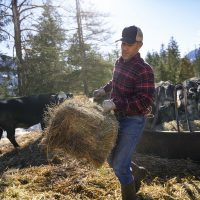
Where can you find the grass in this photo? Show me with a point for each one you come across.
(31, 174)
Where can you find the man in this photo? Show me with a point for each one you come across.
(131, 96)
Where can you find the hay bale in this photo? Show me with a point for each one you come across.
(79, 127)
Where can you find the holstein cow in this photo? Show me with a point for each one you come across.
(193, 97)
(23, 112)
(198, 97)
(163, 108)
(188, 98)
(180, 102)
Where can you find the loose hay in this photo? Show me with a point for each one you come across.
(79, 127)
(172, 125)
(168, 179)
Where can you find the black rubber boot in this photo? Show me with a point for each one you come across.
(139, 174)
(128, 192)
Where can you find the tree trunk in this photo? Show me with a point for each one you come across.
(18, 46)
(82, 49)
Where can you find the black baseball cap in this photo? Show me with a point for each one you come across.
(131, 35)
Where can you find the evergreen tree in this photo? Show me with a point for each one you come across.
(196, 63)
(99, 70)
(166, 64)
(45, 59)
(163, 64)
(159, 63)
(186, 70)
(4, 20)
(154, 60)
(19, 12)
(90, 30)
(173, 61)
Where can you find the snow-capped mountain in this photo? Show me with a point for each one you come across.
(192, 55)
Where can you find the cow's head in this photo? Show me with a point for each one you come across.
(60, 97)
(165, 93)
(187, 96)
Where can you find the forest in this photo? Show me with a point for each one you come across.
(58, 48)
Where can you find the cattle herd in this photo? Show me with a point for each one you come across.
(180, 102)
(23, 112)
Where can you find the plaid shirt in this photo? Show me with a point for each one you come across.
(132, 87)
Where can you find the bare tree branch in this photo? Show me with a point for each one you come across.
(30, 8)
(10, 35)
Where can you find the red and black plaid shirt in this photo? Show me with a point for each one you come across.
(132, 87)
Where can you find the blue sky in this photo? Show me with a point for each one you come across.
(158, 19)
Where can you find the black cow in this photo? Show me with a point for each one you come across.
(23, 112)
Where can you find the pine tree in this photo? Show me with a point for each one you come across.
(89, 29)
(4, 20)
(166, 64)
(173, 60)
(154, 60)
(19, 12)
(186, 70)
(196, 63)
(45, 58)
(99, 70)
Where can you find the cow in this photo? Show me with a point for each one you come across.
(180, 102)
(187, 95)
(163, 108)
(165, 93)
(24, 112)
(188, 101)
(198, 98)
(193, 97)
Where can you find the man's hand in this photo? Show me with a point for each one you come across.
(99, 93)
(108, 105)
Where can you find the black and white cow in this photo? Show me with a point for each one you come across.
(23, 112)
(165, 93)
(188, 98)
(163, 108)
(187, 95)
(179, 102)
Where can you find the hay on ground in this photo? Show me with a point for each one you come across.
(80, 128)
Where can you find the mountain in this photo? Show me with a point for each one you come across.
(8, 75)
(7, 61)
(192, 55)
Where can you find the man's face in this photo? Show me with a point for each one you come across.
(130, 50)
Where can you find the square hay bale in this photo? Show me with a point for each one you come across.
(80, 128)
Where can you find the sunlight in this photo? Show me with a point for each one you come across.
(103, 5)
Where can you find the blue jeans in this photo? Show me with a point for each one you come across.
(130, 131)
